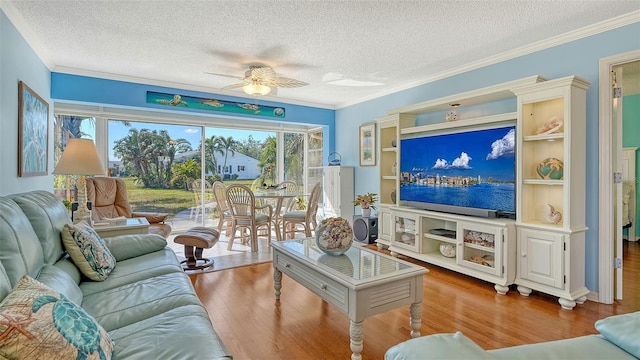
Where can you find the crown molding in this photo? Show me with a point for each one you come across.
(593, 29)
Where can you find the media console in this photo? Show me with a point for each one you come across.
(533, 251)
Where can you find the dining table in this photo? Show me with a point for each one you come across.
(279, 196)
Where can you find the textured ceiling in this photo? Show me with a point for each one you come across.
(348, 51)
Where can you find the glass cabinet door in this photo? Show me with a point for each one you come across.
(481, 248)
(405, 231)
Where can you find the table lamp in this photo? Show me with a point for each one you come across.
(80, 157)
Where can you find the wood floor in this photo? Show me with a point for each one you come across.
(253, 325)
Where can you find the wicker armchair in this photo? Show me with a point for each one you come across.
(306, 218)
(242, 207)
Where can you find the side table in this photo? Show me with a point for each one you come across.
(133, 226)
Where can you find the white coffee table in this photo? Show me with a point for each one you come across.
(133, 226)
(360, 283)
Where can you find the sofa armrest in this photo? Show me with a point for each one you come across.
(129, 246)
(152, 218)
(439, 346)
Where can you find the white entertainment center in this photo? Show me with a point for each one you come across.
(541, 249)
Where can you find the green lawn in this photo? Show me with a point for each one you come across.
(169, 201)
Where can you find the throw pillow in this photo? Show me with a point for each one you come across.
(37, 322)
(88, 251)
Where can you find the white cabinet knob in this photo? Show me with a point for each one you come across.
(324, 287)
(524, 255)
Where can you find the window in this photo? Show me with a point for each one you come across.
(169, 164)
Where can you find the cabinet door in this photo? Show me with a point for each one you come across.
(331, 191)
(481, 247)
(385, 224)
(541, 255)
(405, 231)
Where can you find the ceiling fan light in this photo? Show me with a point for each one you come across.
(256, 89)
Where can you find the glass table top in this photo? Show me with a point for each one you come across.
(357, 263)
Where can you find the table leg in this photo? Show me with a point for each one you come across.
(279, 236)
(415, 319)
(277, 282)
(356, 331)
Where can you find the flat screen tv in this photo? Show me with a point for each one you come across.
(470, 172)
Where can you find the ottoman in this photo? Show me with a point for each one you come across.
(195, 240)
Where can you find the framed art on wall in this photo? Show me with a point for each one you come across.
(368, 144)
(33, 133)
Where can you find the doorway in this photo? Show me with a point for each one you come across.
(610, 191)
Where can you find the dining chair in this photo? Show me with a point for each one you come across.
(220, 194)
(306, 218)
(204, 203)
(246, 215)
(292, 187)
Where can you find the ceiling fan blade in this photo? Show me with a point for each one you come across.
(286, 82)
(225, 75)
(262, 73)
(234, 86)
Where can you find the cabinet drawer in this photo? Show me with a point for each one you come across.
(326, 288)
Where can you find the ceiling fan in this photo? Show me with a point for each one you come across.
(261, 80)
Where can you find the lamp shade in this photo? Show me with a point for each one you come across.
(80, 157)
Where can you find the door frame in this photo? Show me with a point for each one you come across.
(606, 185)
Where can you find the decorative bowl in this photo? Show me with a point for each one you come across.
(448, 250)
(334, 236)
(550, 169)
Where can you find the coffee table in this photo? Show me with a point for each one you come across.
(133, 226)
(360, 283)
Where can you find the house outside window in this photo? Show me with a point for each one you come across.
(240, 168)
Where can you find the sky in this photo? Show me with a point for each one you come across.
(485, 152)
(191, 133)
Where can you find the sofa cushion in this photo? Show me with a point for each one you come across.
(21, 253)
(583, 347)
(129, 246)
(158, 338)
(126, 304)
(622, 330)
(438, 346)
(88, 251)
(60, 281)
(47, 215)
(135, 269)
(5, 286)
(40, 323)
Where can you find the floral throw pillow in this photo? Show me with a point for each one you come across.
(37, 322)
(88, 251)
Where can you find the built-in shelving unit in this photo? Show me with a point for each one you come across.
(529, 251)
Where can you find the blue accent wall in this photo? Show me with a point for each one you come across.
(18, 62)
(580, 57)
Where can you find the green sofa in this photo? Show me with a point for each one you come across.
(147, 304)
(618, 339)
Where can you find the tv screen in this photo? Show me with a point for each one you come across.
(471, 172)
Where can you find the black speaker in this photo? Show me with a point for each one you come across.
(365, 230)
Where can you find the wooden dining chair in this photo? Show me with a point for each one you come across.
(305, 218)
(246, 216)
(220, 194)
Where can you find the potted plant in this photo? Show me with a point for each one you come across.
(366, 203)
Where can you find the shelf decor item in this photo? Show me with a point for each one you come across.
(334, 159)
(550, 169)
(448, 250)
(452, 115)
(550, 127)
(393, 196)
(551, 215)
(394, 142)
(366, 203)
(334, 236)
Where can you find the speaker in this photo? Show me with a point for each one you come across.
(365, 230)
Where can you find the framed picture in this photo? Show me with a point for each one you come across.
(33, 133)
(368, 144)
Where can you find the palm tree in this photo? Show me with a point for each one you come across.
(225, 146)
